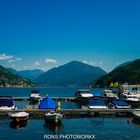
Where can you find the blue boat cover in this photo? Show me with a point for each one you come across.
(6, 101)
(119, 103)
(98, 94)
(48, 103)
(97, 102)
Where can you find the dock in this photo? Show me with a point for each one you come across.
(54, 98)
(74, 113)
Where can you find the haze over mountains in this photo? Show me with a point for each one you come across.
(72, 74)
(29, 74)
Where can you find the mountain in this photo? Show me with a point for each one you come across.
(12, 70)
(8, 79)
(72, 74)
(129, 73)
(30, 74)
(123, 64)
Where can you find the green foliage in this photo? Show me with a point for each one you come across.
(8, 79)
(128, 74)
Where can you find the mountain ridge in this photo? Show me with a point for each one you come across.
(72, 74)
(129, 73)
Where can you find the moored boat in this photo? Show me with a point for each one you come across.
(131, 98)
(108, 95)
(136, 114)
(35, 97)
(97, 104)
(83, 95)
(7, 103)
(19, 117)
(53, 117)
(119, 104)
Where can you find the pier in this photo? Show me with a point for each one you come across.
(74, 113)
(54, 98)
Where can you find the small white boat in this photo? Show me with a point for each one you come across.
(136, 114)
(53, 117)
(19, 117)
(129, 96)
(108, 94)
(83, 95)
(35, 97)
(7, 103)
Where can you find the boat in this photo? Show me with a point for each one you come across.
(119, 104)
(35, 97)
(19, 117)
(109, 95)
(131, 98)
(83, 95)
(7, 103)
(136, 114)
(97, 104)
(55, 128)
(18, 125)
(53, 117)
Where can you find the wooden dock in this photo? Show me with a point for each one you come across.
(74, 113)
(54, 98)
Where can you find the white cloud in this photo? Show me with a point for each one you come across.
(37, 63)
(18, 58)
(50, 61)
(11, 61)
(13, 65)
(93, 63)
(25, 67)
(5, 57)
(86, 62)
(100, 63)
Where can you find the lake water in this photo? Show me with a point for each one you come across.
(101, 128)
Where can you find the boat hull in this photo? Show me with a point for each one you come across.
(20, 119)
(53, 118)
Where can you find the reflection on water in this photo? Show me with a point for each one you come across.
(136, 122)
(18, 125)
(97, 122)
(55, 128)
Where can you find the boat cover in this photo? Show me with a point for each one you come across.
(6, 101)
(47, 103)
(97, 102)
(98, 94)
(119, 103)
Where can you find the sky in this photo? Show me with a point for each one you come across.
(44, 34)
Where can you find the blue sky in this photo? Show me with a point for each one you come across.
(48, 33)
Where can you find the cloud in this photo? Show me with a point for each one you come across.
(25, 67)
(5, 57)
(11, 61)
(100, 63)
(18, 58)
(50, 61)
(37, 63)
(13, 65)
(86, 62)
(93, 63)
(89, 62)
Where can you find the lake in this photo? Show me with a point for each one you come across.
(99, 128)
